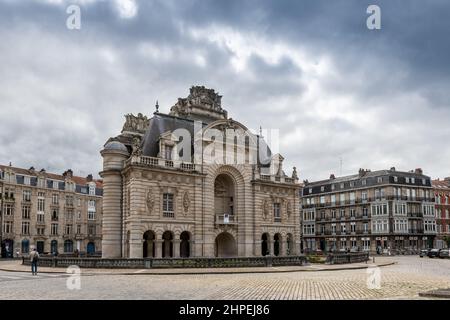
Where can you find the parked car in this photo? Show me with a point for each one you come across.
(444, 253)
(424, 253)
(433, 253)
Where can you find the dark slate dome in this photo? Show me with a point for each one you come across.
(116, 145)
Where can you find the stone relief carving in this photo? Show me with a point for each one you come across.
(134, 123)
(266, 209)
(186, 202)
(137, 149)
(199, 97)
(150, 202)
(289, 209)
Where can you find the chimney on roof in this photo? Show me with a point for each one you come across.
(332, 176)
(42, 170)
(89, 178)
(362, 172)
(393, 169)
(32, 169)
(68, 174)
(418, 171)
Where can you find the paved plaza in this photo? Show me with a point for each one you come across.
(402, 280)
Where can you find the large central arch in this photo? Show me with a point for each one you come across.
(225, 245)
(224, 198)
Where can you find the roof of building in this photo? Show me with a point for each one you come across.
(366, 174)
(116, 145)
(441, 184)
(34, 173)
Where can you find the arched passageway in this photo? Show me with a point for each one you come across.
(225, 245)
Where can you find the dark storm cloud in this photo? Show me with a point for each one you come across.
(335, 89)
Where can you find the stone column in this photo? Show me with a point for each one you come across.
(136, 247)
(158, 248)
(114, 156)
(176, 248)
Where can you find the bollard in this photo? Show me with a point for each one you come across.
(373, 260)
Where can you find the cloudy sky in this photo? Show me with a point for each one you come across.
(312, 69)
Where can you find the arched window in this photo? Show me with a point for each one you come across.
(68, 246)
(54, 247)
(25, 246)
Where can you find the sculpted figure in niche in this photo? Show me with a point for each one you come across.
(150, 202)
(186, 202)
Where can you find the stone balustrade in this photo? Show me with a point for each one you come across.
(148, 263)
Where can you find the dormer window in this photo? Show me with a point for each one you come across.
(168, 153)
(92, 190)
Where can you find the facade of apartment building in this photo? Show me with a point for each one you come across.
(369, 211)
(442, 196)
(53, 213)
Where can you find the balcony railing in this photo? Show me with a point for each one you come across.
(225, 219)
(163, 163)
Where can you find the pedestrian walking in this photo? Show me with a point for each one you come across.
(34, 258)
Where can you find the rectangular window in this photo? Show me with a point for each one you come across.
(91, 215)
(92, 190)
(41, 183)
(352, 197)
(26, 212)
(78, 201)
(55, 199)
(342, 213)
(380, 179)
(8, 227)
(54, 229)
(333, 228)
(352, 213)
(9, 209)
(25, 228)
(55, 185)
(342, 198)
(40, 231)
(322, 200)
(26, 180)
(26, 195)
(277, 212)
(364, 196)
(69, 215)
(333, 214)
(41, 202)
(78, 228)
(333, 199)
(68, 229)
(168, 211)
(365, 212)
(363, 182)
(353, 227)
(169, 150)
(40, 217)
(69, 201)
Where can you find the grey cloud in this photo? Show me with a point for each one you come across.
(74, 98)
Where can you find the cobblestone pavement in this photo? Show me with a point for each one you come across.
(403, 280)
